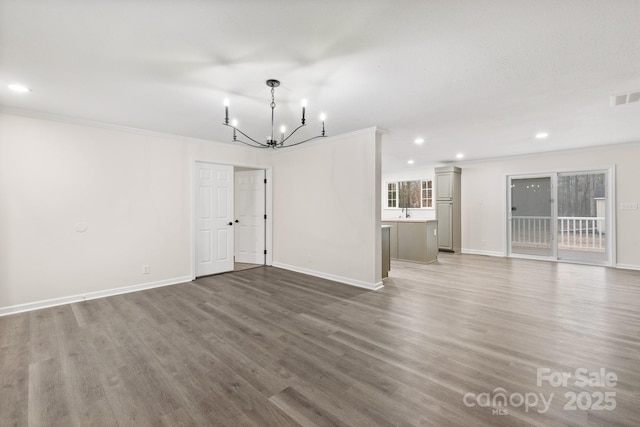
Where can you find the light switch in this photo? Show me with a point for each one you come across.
(629, 206)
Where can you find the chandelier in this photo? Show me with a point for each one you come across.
(271, 141)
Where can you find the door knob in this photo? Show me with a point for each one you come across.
(237, 220)
(230, 223)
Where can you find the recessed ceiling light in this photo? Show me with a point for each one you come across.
(459, 156)
(419, 140)
(410, 162)
(541, 135)
(19, 88)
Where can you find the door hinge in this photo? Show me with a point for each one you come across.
(265, 216)
(265, 251)
(265, 180)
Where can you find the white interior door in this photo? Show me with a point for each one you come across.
(250, 220)
(214, 218)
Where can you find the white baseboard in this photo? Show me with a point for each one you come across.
(628, 266)
(340, 279)
(481, 252)
(37, 305)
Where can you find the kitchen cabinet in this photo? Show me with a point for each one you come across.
(444, 213)
(449, 208)
(444, 186)
(393, 238)
(386, 247)
(413, 240)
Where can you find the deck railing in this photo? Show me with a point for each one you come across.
(531, 230)
(581, 232)
(573, 232)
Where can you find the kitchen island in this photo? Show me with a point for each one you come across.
(414, 240)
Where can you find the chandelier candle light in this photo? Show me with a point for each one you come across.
(271, 141)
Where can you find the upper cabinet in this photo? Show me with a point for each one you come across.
(445, 184)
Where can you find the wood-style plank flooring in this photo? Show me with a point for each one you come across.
(239, 266)
(269, 347)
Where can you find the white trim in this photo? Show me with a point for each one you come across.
(386, 192)
(628, 266)
(57, 118)
(268, 194)
(340, 279)
(481, 252)
(540, 153)
(612, 214)
(37, 305)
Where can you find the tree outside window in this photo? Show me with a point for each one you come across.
(410, 194)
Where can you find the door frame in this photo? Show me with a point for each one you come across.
(612, 230)
(268, 241)
(263, 175)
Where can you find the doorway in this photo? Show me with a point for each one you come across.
(561, 216)
(231, 222)
(250, 218)
(531, 216)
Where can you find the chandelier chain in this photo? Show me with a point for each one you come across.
(273, 99)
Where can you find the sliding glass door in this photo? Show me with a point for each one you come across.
(561, 216)
(531, 216)
(582, 217)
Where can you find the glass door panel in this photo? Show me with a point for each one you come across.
(531, 216)
(582, 217)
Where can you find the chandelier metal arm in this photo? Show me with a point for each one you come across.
(250, 144)
(291, 134)
(302, 142)
(247, 136)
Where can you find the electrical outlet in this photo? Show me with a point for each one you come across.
(145, 269)
(629, 206)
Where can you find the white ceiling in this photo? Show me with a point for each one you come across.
(478, 77)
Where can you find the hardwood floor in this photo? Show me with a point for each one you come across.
(269, 347)
(239, 266)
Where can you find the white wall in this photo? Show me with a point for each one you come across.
(409, 174)
(326, 208)
(132, 190)
(484, 195)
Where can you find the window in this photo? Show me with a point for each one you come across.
(392, 195)
(410, 194)
(426, 196)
